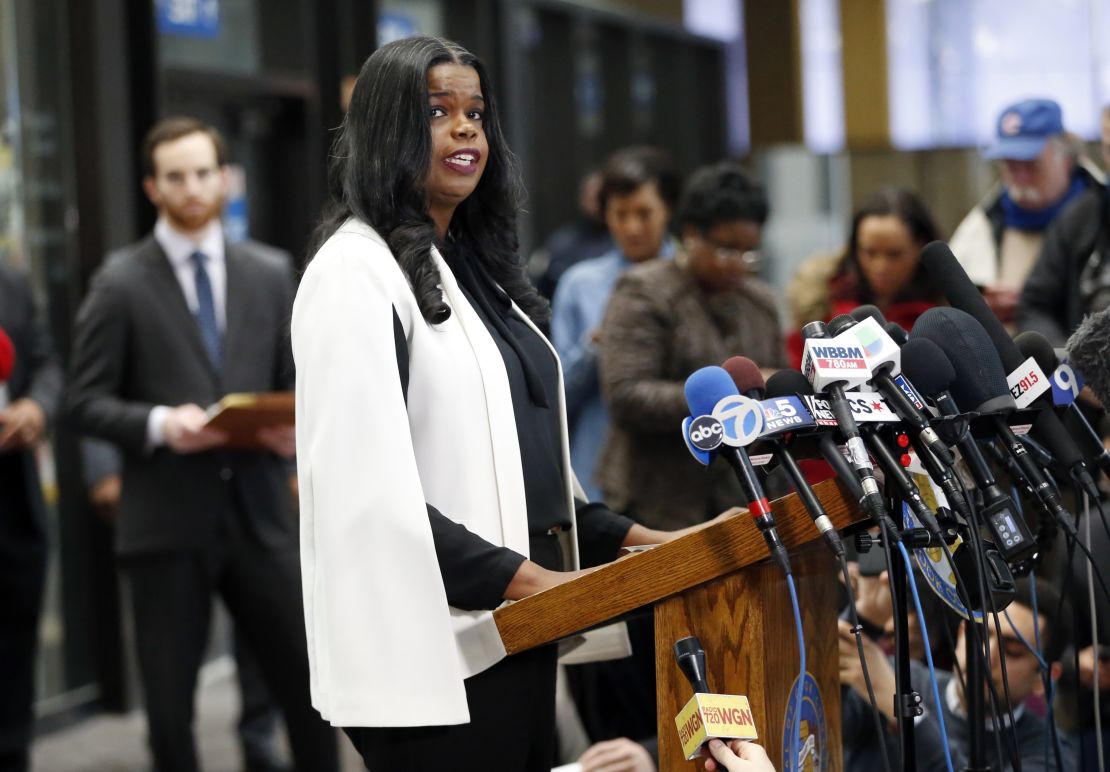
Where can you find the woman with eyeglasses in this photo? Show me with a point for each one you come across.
(667, 319)
(638, 192)
(880, 266)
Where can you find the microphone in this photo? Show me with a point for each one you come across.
(707, 390)
(818, 357)
(894, 470)
(789, 383)
(906, 409)
(1089, 352)
(708, 716)
(980, 386)
(929, 368)
(748, 380)
(951, 278)
(896, 332)
(7, 365)
(1036, 345)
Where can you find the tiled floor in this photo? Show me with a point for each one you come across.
(117, 743)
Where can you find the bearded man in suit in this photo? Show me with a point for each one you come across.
(170, 325)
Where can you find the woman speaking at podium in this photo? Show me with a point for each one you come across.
(431, 435)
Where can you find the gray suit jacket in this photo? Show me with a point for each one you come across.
(136, 346)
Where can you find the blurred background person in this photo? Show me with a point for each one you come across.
(1086, 665)
(29, 397)
(587, 236)
(259, 722)
(880, 265)
(638, 191)
(1071, 277)
(1041, 171)
(1020, 629)
(668, 318)
(174, 323)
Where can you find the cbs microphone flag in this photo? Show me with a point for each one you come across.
(708, 716)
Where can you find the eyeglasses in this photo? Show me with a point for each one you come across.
(750, 259)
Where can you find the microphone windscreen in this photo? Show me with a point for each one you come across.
(1034, 344)
(951, 278)
(7, 356)
(839, 324)
(745, 374)
(868, 311)
(706, 387)
(896, 332)
(1089, 352)
(980, 383)
(788, 383)
(927, 366)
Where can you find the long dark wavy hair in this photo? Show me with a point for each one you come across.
(380, 161)
(849, 282)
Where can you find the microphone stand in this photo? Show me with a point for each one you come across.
(976, 750)
(907, 701)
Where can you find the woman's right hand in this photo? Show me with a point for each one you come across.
(531, 578)
(737, 756)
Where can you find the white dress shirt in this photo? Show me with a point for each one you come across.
(179, 248)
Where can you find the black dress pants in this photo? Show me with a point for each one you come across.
(172, 594)
(511, 729)
(22, 578)
(512, 715)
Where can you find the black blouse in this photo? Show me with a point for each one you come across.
(475, 572)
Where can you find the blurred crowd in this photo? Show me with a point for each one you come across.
(659, 276)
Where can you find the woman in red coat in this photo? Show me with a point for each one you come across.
(881, 266)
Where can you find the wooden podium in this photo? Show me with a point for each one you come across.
(718, 584)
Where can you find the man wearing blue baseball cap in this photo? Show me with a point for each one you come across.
(1041, 172)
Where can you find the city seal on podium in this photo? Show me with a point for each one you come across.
(813, 746)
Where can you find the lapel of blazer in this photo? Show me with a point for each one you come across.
(236, 304)
(165, 285)
(512, 505)
(569, 480)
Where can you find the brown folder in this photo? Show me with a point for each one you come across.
(242, 415)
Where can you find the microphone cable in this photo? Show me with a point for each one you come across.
(981, 647)
(990, 609)
(857, 632)
(796, 730)
(1072, 536)
(1102, 517)
(912, 583)
(1046, 677)
(891, 536)
(1094, 636)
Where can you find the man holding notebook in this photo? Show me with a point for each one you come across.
(171, 325)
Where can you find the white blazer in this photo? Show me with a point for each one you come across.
(384, 647)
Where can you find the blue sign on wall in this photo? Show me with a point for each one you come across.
(189, 18)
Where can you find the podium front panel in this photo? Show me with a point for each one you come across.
(746, 626)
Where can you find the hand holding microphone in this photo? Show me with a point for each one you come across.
(737, 756)
(708, 716)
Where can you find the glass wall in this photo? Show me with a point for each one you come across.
(37, 223)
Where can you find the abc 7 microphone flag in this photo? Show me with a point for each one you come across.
(736, 421)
